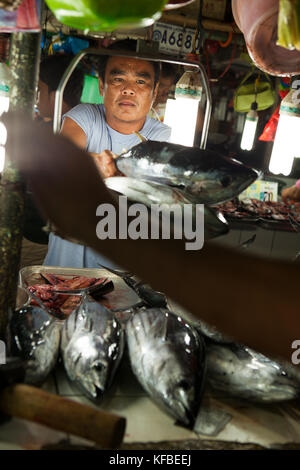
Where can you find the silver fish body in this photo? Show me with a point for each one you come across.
(207, 176)
(92, 346)
(240, 372)
(150, 192)
(168, 358)
(35, 337)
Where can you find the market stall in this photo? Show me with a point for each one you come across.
(151, 372)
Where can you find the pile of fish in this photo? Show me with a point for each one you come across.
(172, 358)
(165, 173)
(254, 208)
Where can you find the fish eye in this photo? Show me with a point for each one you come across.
(98, 367)
(184, 384)
(225, 181)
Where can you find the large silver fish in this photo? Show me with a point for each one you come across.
(238, 371)
(168, 358)
(150, 192)
(92, 346)
(207, 176)
(35, 337)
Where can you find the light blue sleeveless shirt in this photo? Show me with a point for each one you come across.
(100, 136)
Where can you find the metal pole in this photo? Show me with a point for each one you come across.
(24, 65)
(71, 67)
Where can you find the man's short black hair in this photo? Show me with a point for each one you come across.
(128, 45)
(52, 69)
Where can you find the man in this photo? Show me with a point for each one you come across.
(129, 87)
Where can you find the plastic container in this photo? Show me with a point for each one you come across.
(90, 91)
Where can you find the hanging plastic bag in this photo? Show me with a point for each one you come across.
(261, 92)
(269, 132)
(25, 18)
(104, 15)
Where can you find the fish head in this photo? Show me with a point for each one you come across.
(183, 398)
(85, 364)
(92, 345)
(176, 389)
(235, 177)
(211, 178)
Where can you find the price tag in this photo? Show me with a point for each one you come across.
(175, 40)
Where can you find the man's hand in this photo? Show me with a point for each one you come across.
(291, 194)
(105, 163)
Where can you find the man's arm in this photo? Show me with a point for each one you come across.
(104, 160)
(73, 132)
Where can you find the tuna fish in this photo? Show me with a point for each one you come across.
(35, 337)
(149, 192)
(92, 346)
(168, 358)
(207, 176)
(238, 371)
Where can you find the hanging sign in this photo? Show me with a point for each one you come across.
(175, 40)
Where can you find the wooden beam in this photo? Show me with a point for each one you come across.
(208, 24)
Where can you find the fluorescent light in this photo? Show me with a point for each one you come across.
(249, 130)
(181, 116)
(181, 113)
(286, 143)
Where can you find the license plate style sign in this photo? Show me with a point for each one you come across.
(175, 40)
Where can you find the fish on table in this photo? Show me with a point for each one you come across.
(239, 371)
(206, 176)
(35, 337)
(168, 358)
(92, 346)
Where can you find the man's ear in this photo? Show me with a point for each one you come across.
(101, 86)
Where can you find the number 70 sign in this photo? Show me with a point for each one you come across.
(175, 39)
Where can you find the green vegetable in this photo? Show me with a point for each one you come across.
(289, 24)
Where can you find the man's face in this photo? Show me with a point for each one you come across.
(128, 91)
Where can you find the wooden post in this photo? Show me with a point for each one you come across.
(24, 66)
